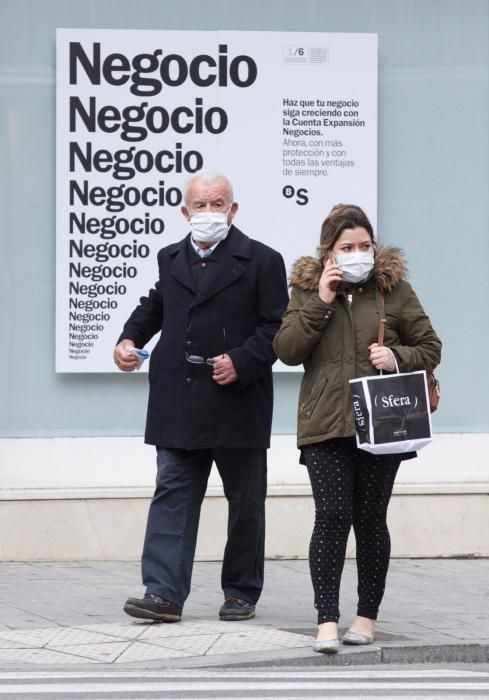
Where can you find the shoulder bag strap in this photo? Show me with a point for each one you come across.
(380, 304)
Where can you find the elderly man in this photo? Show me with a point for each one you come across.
(218, 303)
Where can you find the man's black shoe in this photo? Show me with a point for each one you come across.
(237, 609)
(152, 607)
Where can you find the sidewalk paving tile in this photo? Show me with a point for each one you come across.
(198, 645)
(107, 652)
(39, 656)
(29, 638)
(189, 628)
(265, 640)
(119, 630)
(149, 652)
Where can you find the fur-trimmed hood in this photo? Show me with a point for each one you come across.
(389, 269)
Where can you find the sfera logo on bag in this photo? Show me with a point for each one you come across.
(360, 412)
(359, 417)
(392, 400)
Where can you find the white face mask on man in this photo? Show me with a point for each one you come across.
(209, 226)
(355, 267)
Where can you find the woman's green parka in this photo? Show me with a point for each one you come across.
(332, 341)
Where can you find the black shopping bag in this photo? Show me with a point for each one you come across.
(392, 413)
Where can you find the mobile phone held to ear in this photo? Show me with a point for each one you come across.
(332, 285)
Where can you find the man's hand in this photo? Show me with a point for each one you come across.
(381, 357)
(223, 370)
(124, 358)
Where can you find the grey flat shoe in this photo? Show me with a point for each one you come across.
(357, 638)
(326, 646)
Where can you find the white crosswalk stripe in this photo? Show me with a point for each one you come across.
(284, 684)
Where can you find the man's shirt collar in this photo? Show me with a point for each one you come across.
(200, 251)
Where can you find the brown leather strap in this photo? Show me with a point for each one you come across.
(380, 338)
(380, 302)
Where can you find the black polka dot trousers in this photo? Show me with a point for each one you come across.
(350, 487)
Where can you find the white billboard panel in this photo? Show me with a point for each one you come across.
(290, 118)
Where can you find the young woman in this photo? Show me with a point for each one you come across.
(331, 327)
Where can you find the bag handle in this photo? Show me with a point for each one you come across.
(432, 381)
(380, 335)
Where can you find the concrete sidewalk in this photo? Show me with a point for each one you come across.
(70, 614)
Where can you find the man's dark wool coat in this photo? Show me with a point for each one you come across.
(237, 311)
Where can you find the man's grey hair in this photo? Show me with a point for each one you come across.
(207, 178)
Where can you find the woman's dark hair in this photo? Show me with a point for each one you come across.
(341, 217)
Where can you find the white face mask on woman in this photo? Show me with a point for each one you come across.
(209, 227)
(355, 267)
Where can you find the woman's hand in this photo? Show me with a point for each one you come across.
(329, 281)
(381, 357)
